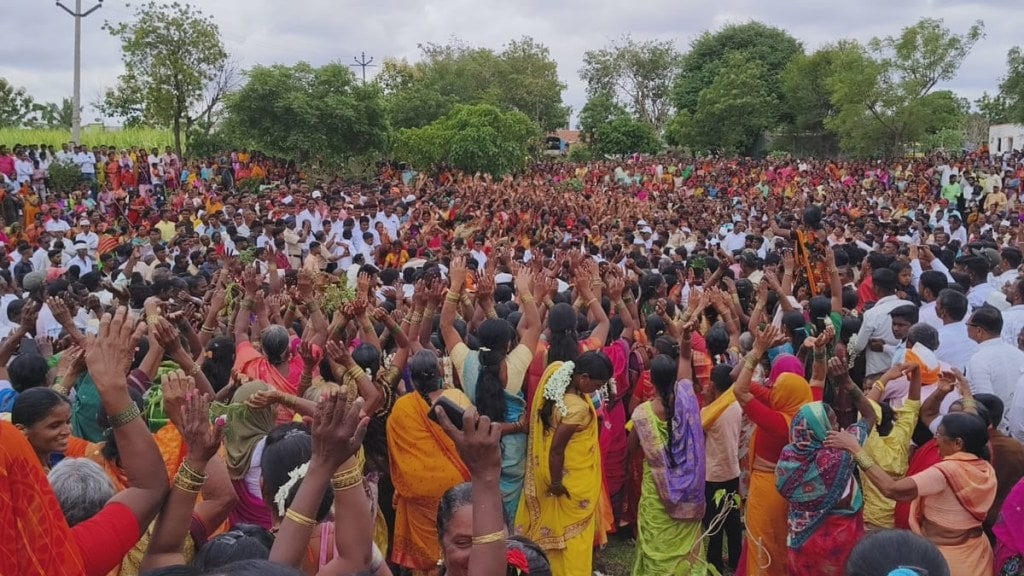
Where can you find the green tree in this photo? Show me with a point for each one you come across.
(473, 138)
(804, 81)
(1008, 104)
(637, 74)
(771, 47)
(599, 110)
(884, 94)
(626, 135)
(734, 111)
(16, 106)
(53, 115)
(171, 54)
(521, 77)
(295, 111)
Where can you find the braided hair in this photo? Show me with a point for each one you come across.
(663, 377)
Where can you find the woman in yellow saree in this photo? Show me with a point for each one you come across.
(424, 465)
(563, 482)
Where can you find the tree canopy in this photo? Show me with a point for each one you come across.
(171, 54)
(1008, 104)
(522, 77)
(297, 110)
(636, 74)
(473, 138)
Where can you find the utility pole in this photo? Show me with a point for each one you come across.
(363, 63)
(76, 98)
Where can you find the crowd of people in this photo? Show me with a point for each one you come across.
(774, 367)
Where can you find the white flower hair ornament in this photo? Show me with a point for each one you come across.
(281, 497)
(557, 384)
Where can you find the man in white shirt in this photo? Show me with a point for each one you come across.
(88, 237)
(978, 268)
(311, 215)
(736, 239)
(876, 329)
(23, 168)
(931, 284)
(1006, 273)
(390, 220)
(56, 224)
(955, 346)
(82, 260)
(1013, 317)
(86, 162)
(996, 366)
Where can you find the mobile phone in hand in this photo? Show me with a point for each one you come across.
(451, 410)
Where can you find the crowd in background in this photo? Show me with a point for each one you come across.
(778, 366)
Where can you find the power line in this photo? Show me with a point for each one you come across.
(363, 63)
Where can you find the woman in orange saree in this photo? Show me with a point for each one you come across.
(951, 498)
(424, 465)
(34, 536)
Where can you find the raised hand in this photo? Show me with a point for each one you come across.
(202, 438)
(167, 336)
(109, 353)
(338, 429)
(176, 387)
(478, 443)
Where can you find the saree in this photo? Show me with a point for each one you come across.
(672, 500)
(513, 446)
(424, 464)
(764, 548)
(815, 480)
(963, 481)
(563, 526)
(35, 539)
(1009, 533)
(256, 366)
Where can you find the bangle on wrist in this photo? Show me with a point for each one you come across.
(491, 538)
(299, 519)
(126, 416)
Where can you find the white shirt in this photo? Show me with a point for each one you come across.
(90, 239)
(1013, 322)
(1014, 420)
(391, 223)
(56, 225)
(23, 170)
(85, 265)
(314, 218)
(995, 368)
(1003, 279)
(977, 294)
(955, 347)
(733, 241)
(927, 315)
(86, 162)
(878, 324)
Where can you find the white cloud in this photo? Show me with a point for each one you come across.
(37, 48)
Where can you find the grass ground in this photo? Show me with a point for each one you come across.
(617, 557)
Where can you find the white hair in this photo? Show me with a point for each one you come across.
(82, 488)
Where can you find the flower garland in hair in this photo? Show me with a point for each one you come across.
(557, 383)
(611, 390)
(852, 348)
(282, 493)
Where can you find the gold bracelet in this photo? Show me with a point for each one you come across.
(491, 538)
(63, 391)
(152, 320)
(194, 370)
(186, 485)
(527, 299)
(347, 479)
(206, 329)
(190, 473)
(299, 519)
(452, 298)
(356, 373)
(126, 416)
(863, 460)
(750, 363)
(880, 385)
(590, 303)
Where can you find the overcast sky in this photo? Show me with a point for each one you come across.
(37, 47)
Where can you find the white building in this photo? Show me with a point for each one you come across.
(1005, 138)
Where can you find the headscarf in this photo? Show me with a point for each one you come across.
(785, 364)
(790, 393)
(245, 427)
(810, 476)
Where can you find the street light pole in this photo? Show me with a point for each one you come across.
(76, 97)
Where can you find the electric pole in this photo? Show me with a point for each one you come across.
(76, 98)
(363, 63)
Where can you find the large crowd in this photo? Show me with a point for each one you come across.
(761, 367)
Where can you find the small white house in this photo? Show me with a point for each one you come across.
(1005, 138)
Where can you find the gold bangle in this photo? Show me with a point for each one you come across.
(206, 329)
(190, 473)
(356, 373)
(527, 299)
(750, 363)
(186, 485)
(591, 302)
(453, 298)
(347, 479)
(491, 538)
(299, 519)
(126, 416)
(152, 320)
(194, 370)
(864, 460)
